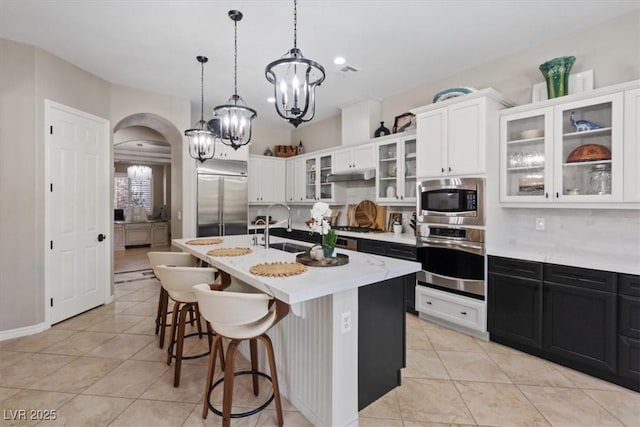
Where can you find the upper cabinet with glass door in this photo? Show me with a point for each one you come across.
(396, 175)
(317, 168)
(566, 152)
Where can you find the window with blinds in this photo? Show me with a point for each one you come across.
(133, 192)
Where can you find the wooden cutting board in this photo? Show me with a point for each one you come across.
(381, 217)
(351, 215)
(366, 214)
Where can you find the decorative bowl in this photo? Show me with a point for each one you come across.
(532, 133)
(589, 153)
(451, 92)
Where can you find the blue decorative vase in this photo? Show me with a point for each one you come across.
(556, 74)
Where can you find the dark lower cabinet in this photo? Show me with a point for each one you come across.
(580, 326)
(515, 303)
(585, 319)
(381, 339)
(395, 250)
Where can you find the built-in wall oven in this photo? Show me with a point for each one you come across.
(451, 201)
(452, 259)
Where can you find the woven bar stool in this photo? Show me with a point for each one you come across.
(178, 259)
(179, 282)
(239, 316)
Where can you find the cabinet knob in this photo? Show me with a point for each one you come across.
(449, 168)
(557, 195)
(401, 197)
(464, 313)
(546, 195)
(428, 302)
(442, 170)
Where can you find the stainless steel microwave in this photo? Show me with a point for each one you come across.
(451, 201)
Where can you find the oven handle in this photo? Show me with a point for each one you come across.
(447, 244)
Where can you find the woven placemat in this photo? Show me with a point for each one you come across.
(278, 269)
(229, 251)
(204, 242)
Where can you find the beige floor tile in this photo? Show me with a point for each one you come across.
(447, 340)
(432, 401)
(378, 422)
(567, 407)
(268, 418)
(493, 347)
(191, 389)
(91, 411)
(117, 323)
(418, 424)
(115, 307)
(31, 368)
(499, 404)
(146, 327)
(526, 369)
(385, 407)
(213, 420)
(142, 309)
(6, 392)
(413, 321)
(82, 321)
(154, 413)
(586, 381)
(424, 364)
(33, 400)
(417, 339)
(624, 405)
(77, 375)
(130, 379)
(140, 296)
(123, 346)
(470, 366)
(152, 353)
(9, 358)
(79, 343)
(37, 342)
(243, 392)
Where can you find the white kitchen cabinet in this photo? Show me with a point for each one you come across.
(225, 152)
(632, 145)
(356, 158)
(454, 309)
(536, 146)
(396, 174)
(316, 170)
(266, 177)
(452, 135)
(118, 237)
(300, 186)
(290, 181)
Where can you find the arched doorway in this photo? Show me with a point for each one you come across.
(152, 141)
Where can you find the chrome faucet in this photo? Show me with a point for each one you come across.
(266, 227)
(255, 231)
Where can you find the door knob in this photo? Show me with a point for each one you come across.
(101, 237)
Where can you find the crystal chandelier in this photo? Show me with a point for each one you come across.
(294, 79)
(233, 119)
(201, 140)
(139, 172)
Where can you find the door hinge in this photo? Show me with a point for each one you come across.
(51, 244)
(51, 130)
(51, 187)
(51, 302)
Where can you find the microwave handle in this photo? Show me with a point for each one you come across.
(466, 247)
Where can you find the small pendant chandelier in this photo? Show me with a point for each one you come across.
(139, 172)
(233, 119)
(294, 79)
(201, 140)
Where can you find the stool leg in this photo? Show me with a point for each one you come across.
(274, 376)
(159, 312)
(227, 396)
(172, 334)
(198, 324)
(164, 301)
(180, 344)
(210, 373)
(253, 349)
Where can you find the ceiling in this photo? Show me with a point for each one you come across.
(396, 45)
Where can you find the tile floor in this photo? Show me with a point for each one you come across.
(104, 367)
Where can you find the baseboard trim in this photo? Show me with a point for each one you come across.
(24, 331)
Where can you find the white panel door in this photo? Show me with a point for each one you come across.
(77, 212)
(432, 137)
(466, 152)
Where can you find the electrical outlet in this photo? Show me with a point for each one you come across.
(540, 224)
(345, 322)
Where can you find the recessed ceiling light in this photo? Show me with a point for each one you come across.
(271, 100)
(339, 60)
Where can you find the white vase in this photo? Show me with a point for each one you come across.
(391, 192)
(397, 229)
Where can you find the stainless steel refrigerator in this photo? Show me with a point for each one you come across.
(222, 198)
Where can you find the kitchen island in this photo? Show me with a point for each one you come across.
(343, 345)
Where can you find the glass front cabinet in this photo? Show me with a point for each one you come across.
(396, 174)
(567, 153)
(317, 169)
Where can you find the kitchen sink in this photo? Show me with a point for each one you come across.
(288, 247)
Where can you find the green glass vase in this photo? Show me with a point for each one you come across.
(556, 74)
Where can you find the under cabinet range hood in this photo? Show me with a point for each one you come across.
(361, 175)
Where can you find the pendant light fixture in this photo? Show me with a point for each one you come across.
(139, 172)
(294, 79)
(201, 140)
(234, 117)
